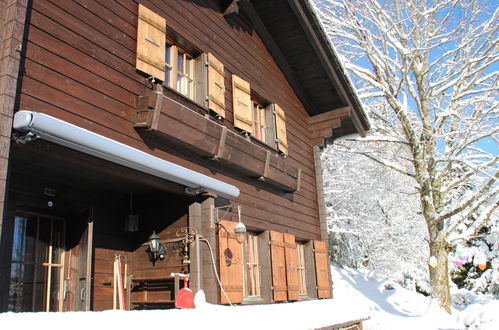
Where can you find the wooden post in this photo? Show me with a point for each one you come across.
(208, 231)
(196, 257)
(201, 268)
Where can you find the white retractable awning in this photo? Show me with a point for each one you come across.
(40, 125)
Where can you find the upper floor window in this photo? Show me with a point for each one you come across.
(256, 117)
(179, 64)
(180, 72)
(263, 124)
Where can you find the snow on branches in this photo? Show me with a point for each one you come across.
(427, 73)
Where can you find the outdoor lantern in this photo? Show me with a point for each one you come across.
(156, 248)
(240, 228)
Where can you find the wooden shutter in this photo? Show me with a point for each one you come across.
(310, 269)
(278, 266)
(280, 123)
(151, 43)
(291, 266)
(270, 135)
(216, 86)
(243, 107)
(231, 268)
(321, 268)
(265, 266)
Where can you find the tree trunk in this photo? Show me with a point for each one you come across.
(439, 275)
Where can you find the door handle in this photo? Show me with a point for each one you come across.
(82, 294)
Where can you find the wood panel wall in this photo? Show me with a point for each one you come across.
(12, 17)
(80, 67)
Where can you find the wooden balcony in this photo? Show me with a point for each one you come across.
(184, 127)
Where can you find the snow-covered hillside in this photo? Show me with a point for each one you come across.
(388, 305)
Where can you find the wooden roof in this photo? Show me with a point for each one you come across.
(292, 33)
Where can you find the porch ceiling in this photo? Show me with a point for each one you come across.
(63, 166)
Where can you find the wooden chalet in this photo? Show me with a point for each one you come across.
(200, 121)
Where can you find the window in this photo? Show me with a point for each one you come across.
(179, 70)
(263, 124)
(257, 117)
(251, 273)
(37, 264)
(302, 274)
(168, 57)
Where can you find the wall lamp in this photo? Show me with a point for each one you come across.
(240, 229)
(156, 249)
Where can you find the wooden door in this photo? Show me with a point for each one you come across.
(78, 273)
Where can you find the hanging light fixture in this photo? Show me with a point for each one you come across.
(239, 229)
(156, 248)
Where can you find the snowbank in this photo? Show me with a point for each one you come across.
(355, 297)
(299, 315)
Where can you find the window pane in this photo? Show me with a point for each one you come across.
(252, 269)
(168, 55)
(301, 269)
(180, 83)
(180, 62)
(188, 66)
(168, 65)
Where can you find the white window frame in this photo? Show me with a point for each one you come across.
(184, 85)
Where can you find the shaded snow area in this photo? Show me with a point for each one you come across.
(355, 296)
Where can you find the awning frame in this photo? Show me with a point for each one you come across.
(34, 125)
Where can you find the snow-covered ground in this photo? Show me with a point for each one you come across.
(355, 296)
(392, 307)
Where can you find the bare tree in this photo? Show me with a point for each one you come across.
(431, 66)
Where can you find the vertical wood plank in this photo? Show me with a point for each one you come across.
(291, 266)
(308, 250)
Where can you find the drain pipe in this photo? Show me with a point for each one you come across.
(198, 263)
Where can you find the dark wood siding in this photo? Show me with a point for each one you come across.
(80, 67)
